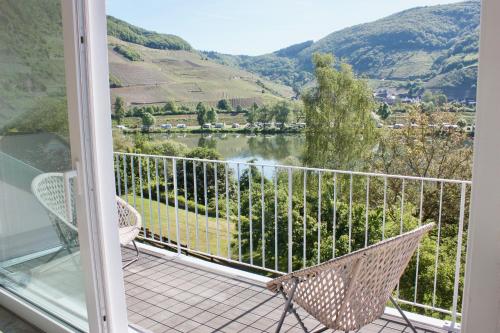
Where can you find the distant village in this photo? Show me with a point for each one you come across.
(391, 97)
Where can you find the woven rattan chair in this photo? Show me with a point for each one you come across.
(351, 291)
(51, 190)
(130, 224)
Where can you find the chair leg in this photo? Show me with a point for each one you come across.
(292, 309)
(287, 304)
(129, 262)
(403, 314)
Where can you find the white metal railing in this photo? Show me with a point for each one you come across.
(204, 207)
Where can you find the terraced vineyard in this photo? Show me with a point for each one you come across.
(184, 76)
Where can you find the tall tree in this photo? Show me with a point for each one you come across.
(281, 112)
(340, 130)
(119, 109)
(223, 104)
(201, 114)
(211, 115)
(148, 120)
(170, 106)
(384, 111)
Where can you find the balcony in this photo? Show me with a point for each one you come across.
(208, 246)
(171, 293)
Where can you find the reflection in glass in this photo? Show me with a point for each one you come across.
(39, 250)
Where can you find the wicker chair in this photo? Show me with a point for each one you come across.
(351, 291)
(50, 189)
(129, 221)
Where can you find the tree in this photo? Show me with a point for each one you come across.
(251, 115)
(239, 109)
(426, 151)
(223, 104)
(281, 112)
(340, 131)
(384, 111)
(201, 114)
(440, 99)
(211, 115)
(462, 123)
(119, 109)
(427, 97)
(170, 106)
(264, 115)
(148, 120)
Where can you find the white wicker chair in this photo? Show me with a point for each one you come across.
(49, 189)
(129, 221)
(351, 291)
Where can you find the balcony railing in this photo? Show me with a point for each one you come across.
(274, 219)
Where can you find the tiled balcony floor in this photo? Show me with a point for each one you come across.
(169, 294)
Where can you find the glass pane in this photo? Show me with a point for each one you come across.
(39, 250)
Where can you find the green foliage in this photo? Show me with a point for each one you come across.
(162, 148)
(462, 123)
(281, 112)
(128, 52)
(148, 120)
(223, 104)
(48, 115)
(211, 115)
(114, 82)
(201, 113)
(130, 33)
(170, 106)
(384, 111)
(32, 57)
(119, 109)
(340, 130)
(437, 44)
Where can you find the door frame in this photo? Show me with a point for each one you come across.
(89, 118)
(85, 39)
(481, 304)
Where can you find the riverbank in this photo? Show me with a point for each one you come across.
(198, 130)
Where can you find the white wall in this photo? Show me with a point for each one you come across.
(482, 287)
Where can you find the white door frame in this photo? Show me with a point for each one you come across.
(85, 40)
(482, 278)
(88, 96)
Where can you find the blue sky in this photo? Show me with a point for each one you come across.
(254, 27)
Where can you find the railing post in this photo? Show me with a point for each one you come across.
(319, 217)
(458, 256)
(304, 218)
(176, 204)
(290, 238)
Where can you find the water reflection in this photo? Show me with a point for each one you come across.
(262, 149)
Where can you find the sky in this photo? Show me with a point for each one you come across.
(254, 27)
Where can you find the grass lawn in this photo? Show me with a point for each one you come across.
(162, 220)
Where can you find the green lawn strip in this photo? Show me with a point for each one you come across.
(149, 212)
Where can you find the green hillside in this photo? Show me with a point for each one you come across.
(32, 82)
(143, 75)
(436, 44)
(130, 33)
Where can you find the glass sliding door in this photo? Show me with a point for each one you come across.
(39, 246)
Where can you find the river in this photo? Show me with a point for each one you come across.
(264, 149)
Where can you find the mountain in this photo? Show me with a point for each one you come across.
(130, 33)
(31, 60)
(436, 44)
(146, 75)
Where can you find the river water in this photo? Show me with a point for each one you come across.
(262, 149)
